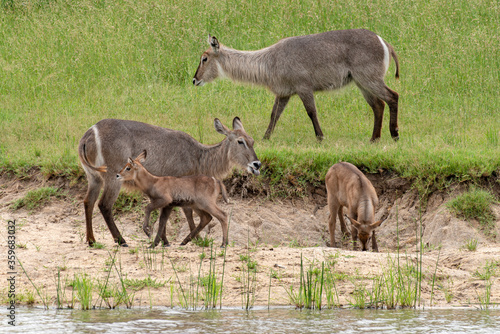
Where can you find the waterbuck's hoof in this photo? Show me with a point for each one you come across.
(124, 245)
(395, 138)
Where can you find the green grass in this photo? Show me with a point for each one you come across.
(310, 291)
(471, 245)
(83, 286)
(128, 202)
(203, 241)
(139, 284)
(474, 204)
(67, 64)
(37, 198)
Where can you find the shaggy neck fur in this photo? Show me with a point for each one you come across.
(214, 160)
(245, 66)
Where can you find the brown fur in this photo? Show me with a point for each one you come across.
(196, 192)
(348, 187)
(303, 65)
(111, 142)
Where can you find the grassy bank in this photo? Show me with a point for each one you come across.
(67, 64)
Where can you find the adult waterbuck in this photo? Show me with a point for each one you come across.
(303, 65)
(348, 186)
(198, 192)
(111, 142)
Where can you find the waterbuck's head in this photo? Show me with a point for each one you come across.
(130, 170)
(365, 231)
(240, 148)
(208, 69)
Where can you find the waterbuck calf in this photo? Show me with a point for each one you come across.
(348, 186)
(111, 142)
(197, 192)
(303, 65)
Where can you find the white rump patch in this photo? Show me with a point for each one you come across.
(386, 54)
(100, 159)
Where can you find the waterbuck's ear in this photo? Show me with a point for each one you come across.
(376, 224)
(214, 43)
(130, 161)
(220, 128)
(142, 157)
(237, 125)
(353, 222)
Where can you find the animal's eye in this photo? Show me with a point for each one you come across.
(127, 169)
(204, 59)
(241, 142)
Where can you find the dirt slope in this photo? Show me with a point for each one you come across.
(278, 232)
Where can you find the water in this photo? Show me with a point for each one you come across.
(277, 320)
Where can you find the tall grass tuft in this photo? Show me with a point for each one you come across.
(213, 288)
(60, 291)
(154, 258)
(485, 298)
(248, 279)
(310, 292)
(399, 284)
(83, 285)
(331, 292)
(110, 293)
(471, 245)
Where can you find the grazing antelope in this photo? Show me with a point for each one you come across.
(111, 142)
(347, 186)
(197, 192)
(303, 65)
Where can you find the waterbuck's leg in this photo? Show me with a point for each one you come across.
(374, 242)
(343, 227)
(393, 108)
(390, 97)
(222, 217)
(278, 107)
(155, 204)
(205, 218)
(332, 221)
(94, 187)
(109, 196)
(146, 227)
(354, 230)
(199, 213)
(165, 213)
(377, 106)
(308, 101)
(188, 212)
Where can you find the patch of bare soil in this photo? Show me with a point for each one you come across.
(274, 233)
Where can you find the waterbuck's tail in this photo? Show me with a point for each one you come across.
(83, 155)
(395, 57)
(223, 191)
